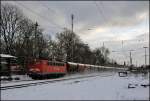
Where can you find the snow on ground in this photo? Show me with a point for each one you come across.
(105, 87)
(25, 77)
(21, 77)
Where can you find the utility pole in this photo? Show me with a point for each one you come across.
(103, 44)
(131, 57)
(72, 18)
(145, 55)
(36, 25)
(122, 50)
(122, 44)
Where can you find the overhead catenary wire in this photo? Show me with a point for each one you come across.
(100, 9)
(52, 11)
(105, 18)
(41, 16)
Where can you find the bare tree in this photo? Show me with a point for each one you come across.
(10, 18)
(72, 47)
(67, 42)
(19, 35)
(100, 56)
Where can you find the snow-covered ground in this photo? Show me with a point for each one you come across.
(21, 78)
(26, 79)
(106, 87)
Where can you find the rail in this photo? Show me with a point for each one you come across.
(46, 82)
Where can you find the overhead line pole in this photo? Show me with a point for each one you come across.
(145, 55)
(36, 40)
(131, 57)
(41, 16)
(72, 18)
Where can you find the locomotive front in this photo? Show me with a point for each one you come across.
(35, 69)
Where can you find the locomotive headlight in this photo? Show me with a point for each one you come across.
(37, 70)
(31, 69)
(34, 70)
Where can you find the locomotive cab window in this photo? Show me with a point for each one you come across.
(55, 63)
(61, 64)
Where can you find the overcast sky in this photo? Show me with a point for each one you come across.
(120, 25)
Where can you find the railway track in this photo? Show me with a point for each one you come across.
(45, 82)
(7, 82)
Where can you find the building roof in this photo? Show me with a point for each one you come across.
(7, 56)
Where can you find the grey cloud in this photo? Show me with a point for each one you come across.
(116, 13)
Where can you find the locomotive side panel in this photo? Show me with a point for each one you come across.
(47, 69)
(56, 67)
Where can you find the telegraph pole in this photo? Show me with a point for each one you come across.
(36, 25)
(131, 57)
(145, 55)
(122, 44)
(103, 44)
(72, 18)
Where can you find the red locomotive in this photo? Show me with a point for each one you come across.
(40, 69)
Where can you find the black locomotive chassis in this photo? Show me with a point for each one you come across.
(34, 75)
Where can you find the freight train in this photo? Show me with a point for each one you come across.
(44, 69)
